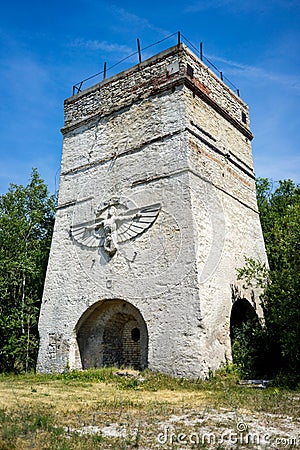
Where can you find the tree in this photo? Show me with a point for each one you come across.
(280, 218)
(26, 224)
(278, 342)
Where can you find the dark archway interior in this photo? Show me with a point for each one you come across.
(113, 334)
(246, 340)
(242, 312)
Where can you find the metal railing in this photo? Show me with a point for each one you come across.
(180, 38)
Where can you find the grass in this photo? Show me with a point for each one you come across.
(96, 409)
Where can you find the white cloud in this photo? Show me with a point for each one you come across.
(101, 45)
(251, 71)
(203, 5)
(134, 21)
(237, 6)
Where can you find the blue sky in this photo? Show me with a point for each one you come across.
(46, 47)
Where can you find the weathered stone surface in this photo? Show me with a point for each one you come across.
(153, 134)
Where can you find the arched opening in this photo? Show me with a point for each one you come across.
(246, 338)
(242, 312)
(113, 333)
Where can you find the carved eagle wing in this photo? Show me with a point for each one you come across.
(135, 221)
(129, 224)
(88, 233)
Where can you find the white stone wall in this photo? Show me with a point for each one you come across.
(154, 135)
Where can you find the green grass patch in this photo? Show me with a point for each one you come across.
(72, 410)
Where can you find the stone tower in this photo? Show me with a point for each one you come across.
(156, 211)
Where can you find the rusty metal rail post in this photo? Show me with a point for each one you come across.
(180, 38)
(139, 50)
(201, 51)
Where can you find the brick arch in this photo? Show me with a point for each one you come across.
(113, 333)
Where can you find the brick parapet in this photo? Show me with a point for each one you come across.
(162, 72)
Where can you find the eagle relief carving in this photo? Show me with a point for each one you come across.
(113, 225)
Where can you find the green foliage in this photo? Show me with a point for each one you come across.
(254, 273)
(278, 343)
(148, 380)
(280, 217)
(26, 223)
(250, 350)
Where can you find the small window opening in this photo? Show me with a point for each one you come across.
(244, 117)
(135, 334)
(189, 71)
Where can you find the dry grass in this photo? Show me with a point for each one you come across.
(99, 410)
